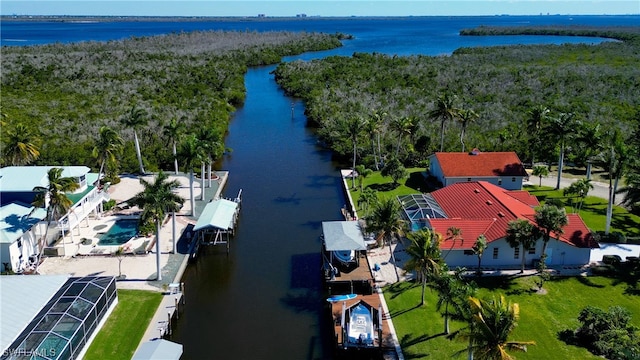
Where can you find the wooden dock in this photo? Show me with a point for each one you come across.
(354, 280)
(387, 344)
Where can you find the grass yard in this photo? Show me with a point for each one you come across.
(542, 317)
(593, 211)
(121, 334)
(413, 184)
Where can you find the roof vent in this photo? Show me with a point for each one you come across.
(476, 191)
(475, 151)
(501, 214)
(489, 202)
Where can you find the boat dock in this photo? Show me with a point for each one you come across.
(168, 312)
(387, 344)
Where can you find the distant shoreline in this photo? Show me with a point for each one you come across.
(104, 18)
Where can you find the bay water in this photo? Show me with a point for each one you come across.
(264, 299)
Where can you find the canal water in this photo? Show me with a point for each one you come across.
(264, 300)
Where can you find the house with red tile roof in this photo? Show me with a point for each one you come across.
(503, 169)
(484, 208)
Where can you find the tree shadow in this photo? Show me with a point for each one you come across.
(400, 312)
(496, 282)
(407, 341)
(418, 182)
(587, 282)
(384, 187)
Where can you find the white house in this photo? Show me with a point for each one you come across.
(503, 169)
(483, 208)
(20, 227)
(17, 184)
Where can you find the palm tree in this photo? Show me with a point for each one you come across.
(190, 153)
(521, 232)
(107, 146)
(20, 145)
(363, 172)
(402, 126)
(616, 162)
(455, 234)
(452, 291)
(387, 223)
(367, 197)
(352, 127)
(490, 324)
(631, 191)
(425, 257)
(540, 171)
(465, 117)
(137, 119)
(156, 200)
(212, 145)
(561, 128)
(54, 198)
(444, 110)
(478, 248)
(536, 119)
(173, 131)
(373, 127)
(591, 138)
(579, 188)
(549, 219)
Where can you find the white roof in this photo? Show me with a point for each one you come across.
(25, 178)
(22, 298)
(343, 235)
(158, 350)
(16, 219)
(218, 214)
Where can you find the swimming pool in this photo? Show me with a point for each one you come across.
(119, 233)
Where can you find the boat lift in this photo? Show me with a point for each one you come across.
(217, 222)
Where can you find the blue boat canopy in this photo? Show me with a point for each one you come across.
(343, 235)
(218, 214)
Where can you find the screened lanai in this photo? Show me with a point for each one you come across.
(418, 208)
(65, 324)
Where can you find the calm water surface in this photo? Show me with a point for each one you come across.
(264, 300)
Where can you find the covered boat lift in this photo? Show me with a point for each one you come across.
(341, 238)
(217, 220)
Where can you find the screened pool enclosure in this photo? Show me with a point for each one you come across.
(418, 208)
(63, 326)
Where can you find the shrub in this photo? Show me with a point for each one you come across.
(108, 205)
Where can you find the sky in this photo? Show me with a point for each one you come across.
(318, 7)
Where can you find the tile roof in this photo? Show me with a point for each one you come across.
(462, 164)
(483, 208)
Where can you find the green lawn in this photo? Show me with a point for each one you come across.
(542, 317)
(593, 211)
(413, 184)
(121, 334)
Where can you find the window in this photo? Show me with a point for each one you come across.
(469, 252)
(495, 252)
(513, 179)
(468, 179)
(532, 250)
(499, 181)
(516, 252)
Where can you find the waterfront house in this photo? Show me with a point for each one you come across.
(20, 227)
(17, 184)
(503, 169)
(484, 208)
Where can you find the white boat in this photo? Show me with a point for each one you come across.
(361, 326)
(345, 256)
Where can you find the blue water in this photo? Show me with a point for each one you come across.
(264, 299)
(119, 233)
(401, 36)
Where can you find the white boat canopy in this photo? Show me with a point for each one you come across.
(343, 235)
(218, 214)
(158, 349)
